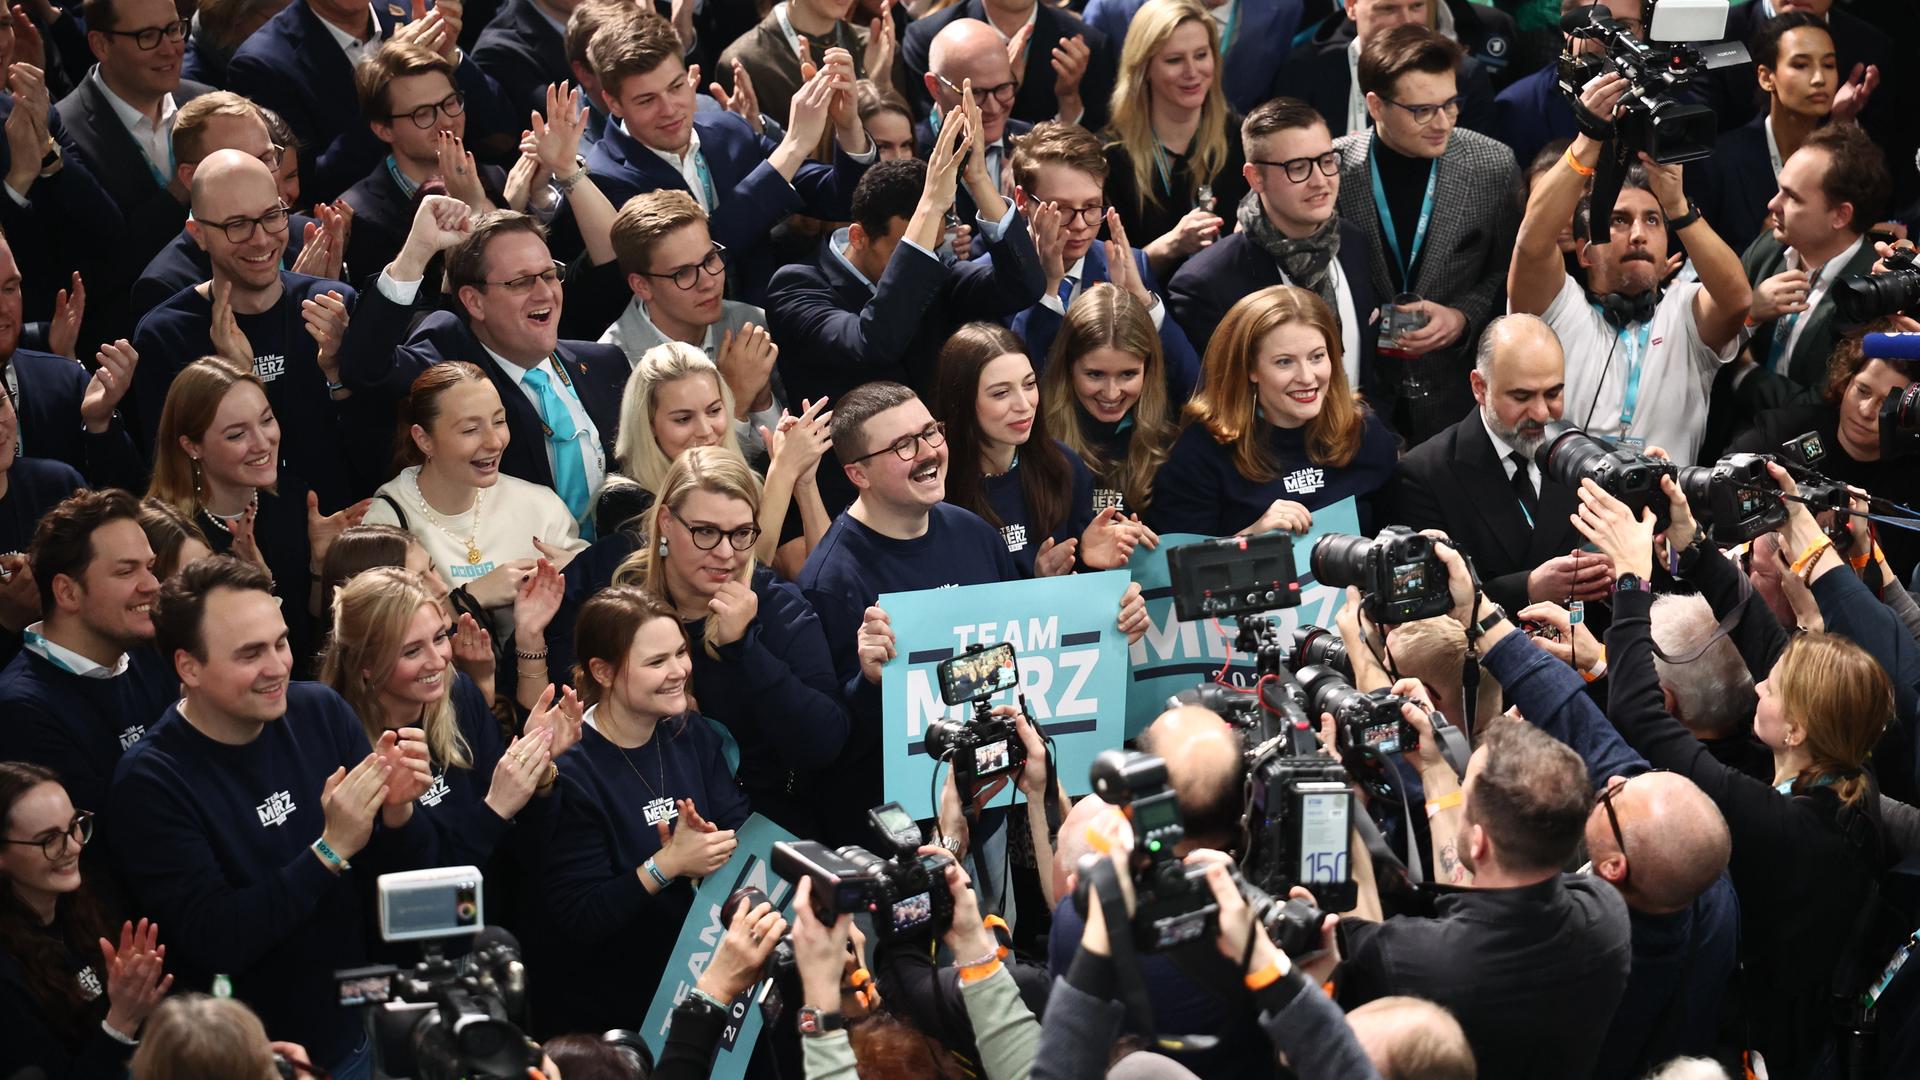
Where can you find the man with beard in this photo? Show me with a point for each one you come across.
(1477, 480)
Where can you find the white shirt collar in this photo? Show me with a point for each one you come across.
(131, 118)
(34, 641)
(1831, 268)
(1078, 271)
(514, 371)
(838, 245)
(638, 310)
(682, 163)
(1033, 16)
(354, 47)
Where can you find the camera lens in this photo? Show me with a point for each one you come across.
(1339, 560)
(1314, 645)
(1327, 692)
(1696, 483)
(942, 736)
(1869, 297)
(1566, 453)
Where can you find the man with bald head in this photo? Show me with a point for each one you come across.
(1204, 769)
(1065, 71)
(283, 326)
(1477, 480)
(969, 49)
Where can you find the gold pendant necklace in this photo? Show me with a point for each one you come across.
(472, 540)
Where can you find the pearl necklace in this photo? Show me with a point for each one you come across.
(472, 541)
(220, 522)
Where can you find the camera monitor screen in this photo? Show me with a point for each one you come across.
(911, 911)
(1324, 810)
(991, 757)
(972, 676)
(1383, 738)
(1409, 579)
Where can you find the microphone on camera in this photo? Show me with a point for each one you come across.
(1900, 346)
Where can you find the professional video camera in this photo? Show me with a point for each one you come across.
(905, 892)
(449, 1016)
(1398, 572)
(1896, 291)
(1734, 499)
(982, 746)
(1242, 576)
(1569, 455)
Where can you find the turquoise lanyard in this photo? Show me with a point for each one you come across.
(706, 181)
(1226, 27)
(1636, 356)
(407, 186)
(1386, 217)
(566, 383)
(1160, 166)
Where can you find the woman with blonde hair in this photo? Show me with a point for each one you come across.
(217, 461)
(391, 657)
(761, 667)
(197, 1037)
(1274, 431)
(1174, 151)
(676, 399)
(1104, 394)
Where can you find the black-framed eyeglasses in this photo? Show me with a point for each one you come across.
(906, 446)
(1298, 169)
(240, 230)
(1090, 216)
(450, 106)
(1004, 93)
(686, 277)
(706, 537)
(148, 38)
(1605, 798)
(1424, 114)
(79, 830)
(522, 285)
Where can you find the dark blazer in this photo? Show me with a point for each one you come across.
(1208, 284)
(1733, 187)
(204, 61)
(753, 197)
(1532, 112)
(382, 217)
(182, 263)
(292, 66)
(1454, 482)
(1807, 366)
(522, 51)
(68, 224)
(1039, 325)
(51, 388)
(1036, 101)
(111, 152)
(384, 350)
(964, 207)
(1316, 72)
(1262, 37)
(1734, 94)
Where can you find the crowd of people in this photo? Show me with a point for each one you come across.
(436, 437)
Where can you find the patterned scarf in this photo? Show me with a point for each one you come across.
(1308, 261)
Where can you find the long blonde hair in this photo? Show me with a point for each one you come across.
(713, 469)
(1225, 401)
(371, 614)
(637, 451)
(1132, 101)
(1841, 697)
(193, 399)
(1105, 316)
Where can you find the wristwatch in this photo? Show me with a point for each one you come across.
(1631, 582)
(815, 1022)
(1493, 617)
(1674, 225)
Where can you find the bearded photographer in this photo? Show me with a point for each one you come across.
(1807, 849)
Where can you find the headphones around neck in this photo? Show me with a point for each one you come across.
(1622, 311)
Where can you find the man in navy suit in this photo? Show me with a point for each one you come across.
(524, 48)
(1532, 112)
(1067, 74)
(968, 50)
(1322, 71)
(1064, 165)
(301, 64)
(880, 303)
(746, 183)
(562, 397)
(1290, 233)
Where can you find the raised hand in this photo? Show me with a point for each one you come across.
(1852, 96)
(1070, 59)
(69, 308)
(441, 222)
(229, 341)
(325, 316)
(1055, 557)
(809, 113)
(746, 364)
(458, 170)
(799, 442)
(943, 165)
(246, 546)
(323, 529)
(1108, 541)
(693, 851)
(557, 134)
(743, 951)
(473, 653)
(518, 773)
(1121, 269)
(135, 976)
(877, 61)
(742, 102)
(1017, 47)
(734, 608)
(535, 603)
(1045, 222)
(559, 713)
(523, 178)
(1615, 531)
(1582, 575)
(410, 765)
(874, 642)
(111, 379)
(350, 801)
(28, 47)
(1032, 780)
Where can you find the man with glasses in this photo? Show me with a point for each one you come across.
(1324, 71)
(1426, 196)
(562, 397)
(1064, 70)
(969, 51)
(1290, 233)
(285, 327)
(1063, 165)
(676, 283)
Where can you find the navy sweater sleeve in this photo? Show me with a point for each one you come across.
(465, 828)
(1553, 698)
(782, 672)
(31, 1044)
(1190, 487)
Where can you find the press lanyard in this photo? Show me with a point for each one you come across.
(1636, 354)
(407, 186)
(786, 27)
(560, 370)
(1160, 166)
(1226, 26)
(706, 180)
(1386, 216)
(19, 429)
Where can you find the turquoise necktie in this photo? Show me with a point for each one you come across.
(569, 469)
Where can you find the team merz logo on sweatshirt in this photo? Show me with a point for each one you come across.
(436, 791)
(1304, 481)
(132, 735)
(269, 367)
(1015, 536)
(277, 809)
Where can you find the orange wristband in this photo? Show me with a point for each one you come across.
(1265, 977)
(977, 972)
(1574, 164)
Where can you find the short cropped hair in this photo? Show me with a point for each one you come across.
(1405, 48)
(586, 21)
(1274, 116)
(863, 403)
(63, 541)
(1054, 143)
(646, 220)
(373, 79)
(180, 611)
(190, 122)
(1856, 173)
(466, 262)
(632, 45)
(886, 191)
(1532, 796)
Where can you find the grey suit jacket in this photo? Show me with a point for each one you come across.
(111, 153)
(1463, 263)
(634, 333)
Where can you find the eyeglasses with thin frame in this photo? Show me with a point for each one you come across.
(706, 536)
(523, 284)
(1298, 169)
(450, 106)
(1004, 93)
(53, 843)
(686, 277)
(906, 446)
(1424, 114)
(148, 38)
(1605, 798)
(239, 230)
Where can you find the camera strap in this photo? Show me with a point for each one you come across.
(1104, 883)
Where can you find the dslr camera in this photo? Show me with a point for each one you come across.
(447, 1017)
(1653, 117)
(905, 892)
(1399, 573)
(982, 746)
(1319, 645)
(1861, 300)
(1570, 455)
(1366, 724)
(1735, 499)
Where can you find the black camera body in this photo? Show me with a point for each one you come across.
(1569, 455)
(1275, 712)
(1399, 573)
(1299, 810)
(984, 745)
(1896, 291)
(1900, 424)
(1319, 645)
(1653, 116)
(1233, 575)
(905, 892)
(1735, 498)
(1365, 723)
(449, 1017)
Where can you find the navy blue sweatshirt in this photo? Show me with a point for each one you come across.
(776, 692)
(1009, 504)
(280, 531)
(34, 486)
(343, 448)
(845, 574)
(465, 828)
(1198, 490)
(213, 841)
(1110, 443)
(30, 1043)
(602, 939)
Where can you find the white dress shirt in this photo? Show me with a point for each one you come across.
(154, 139)
(589, 439)
(1051, 301)
(356, 49)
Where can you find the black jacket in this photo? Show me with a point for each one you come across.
(1316, 72)
(1036, 101)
